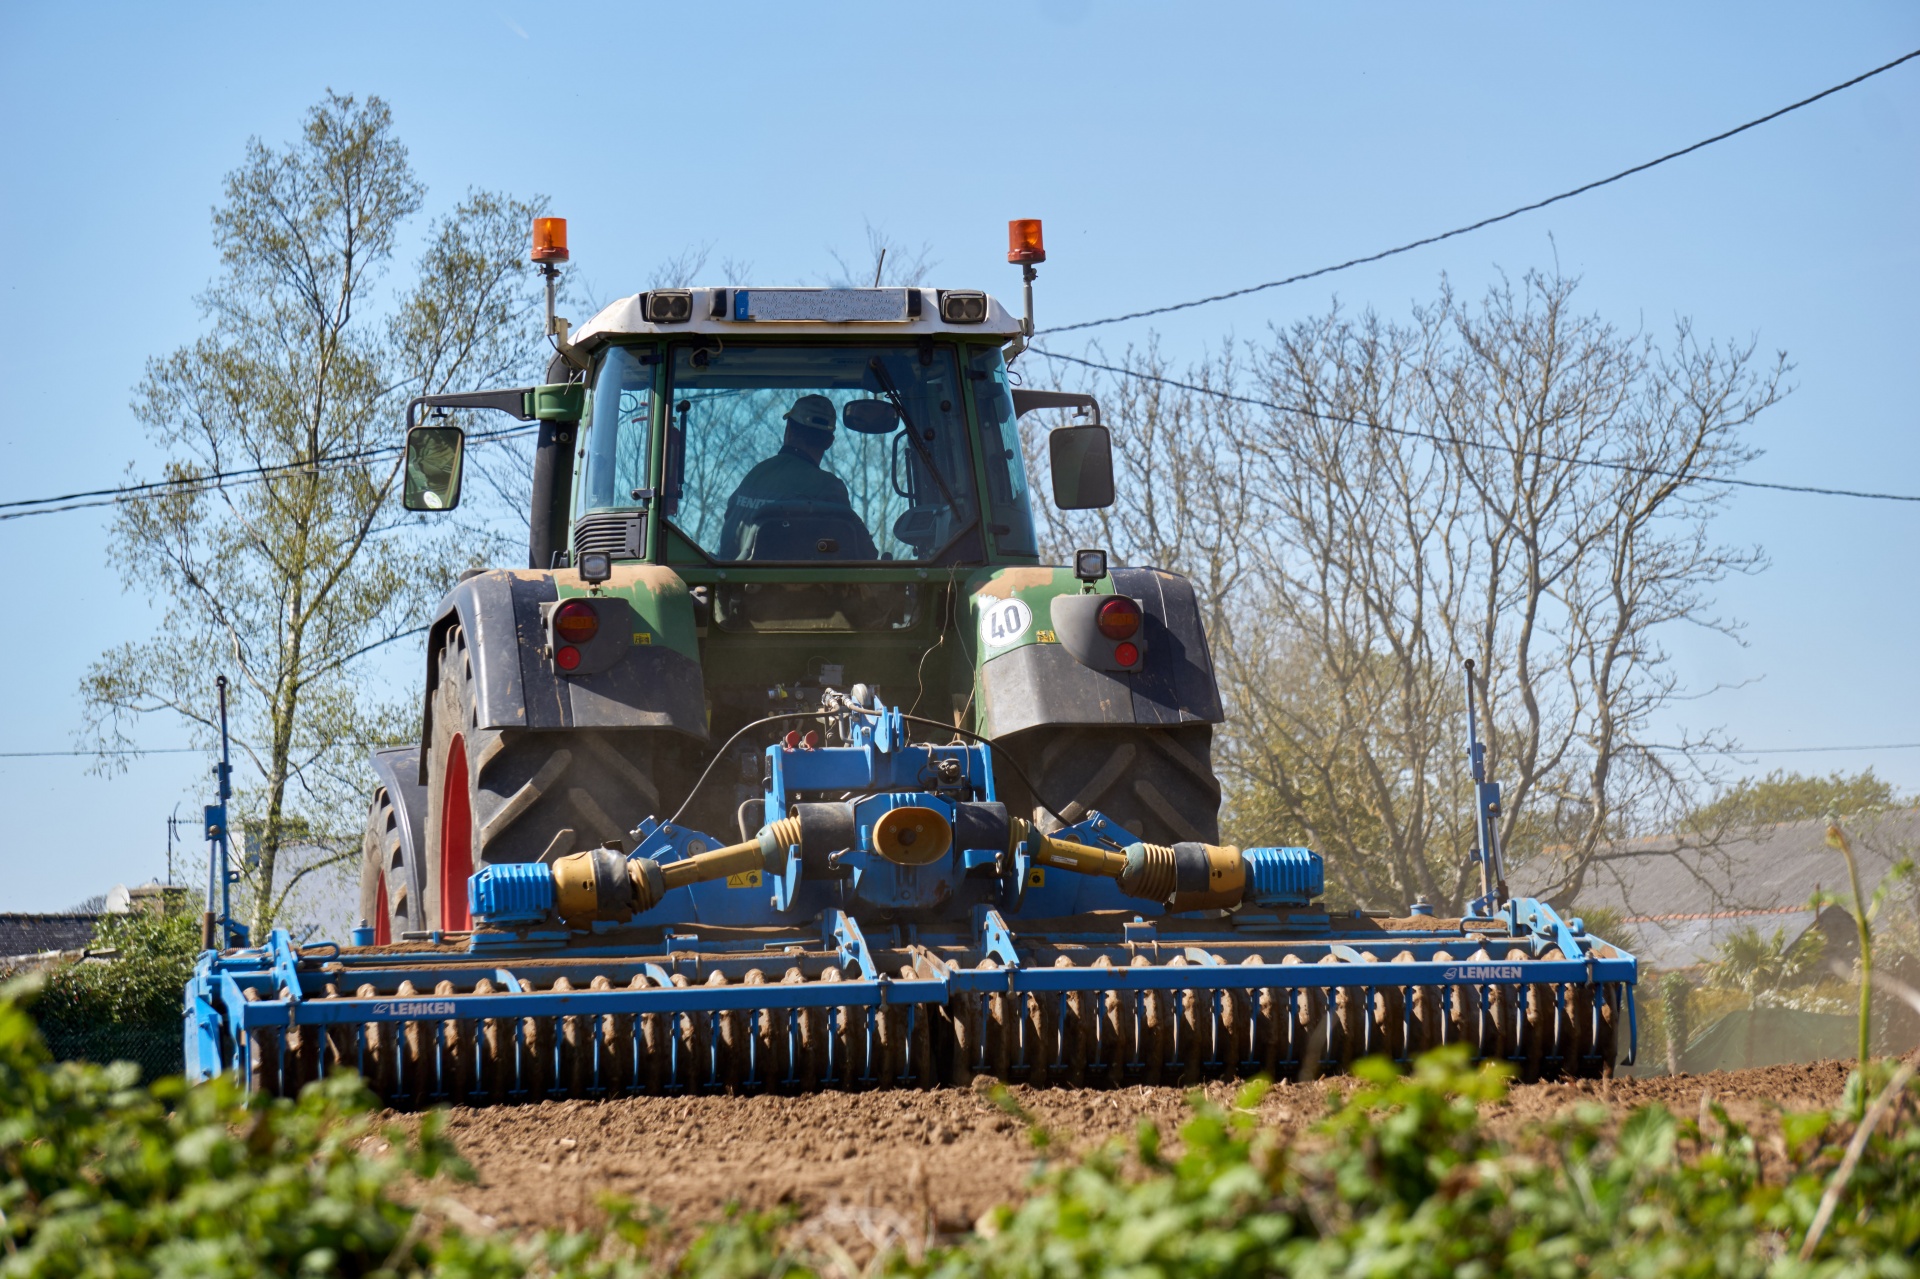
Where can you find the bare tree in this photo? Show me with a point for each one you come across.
(1365, 504)
(885, 262)
(296, 572)
(685, 269)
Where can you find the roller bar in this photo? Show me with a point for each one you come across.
(1120, 1001)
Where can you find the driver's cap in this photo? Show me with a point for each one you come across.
(815, 411)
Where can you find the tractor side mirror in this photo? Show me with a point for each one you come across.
(434, 455)
(1081, 458)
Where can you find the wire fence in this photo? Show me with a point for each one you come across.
(158, 1048)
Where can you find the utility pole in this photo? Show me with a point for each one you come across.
(173, 832)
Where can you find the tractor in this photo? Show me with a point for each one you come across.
(787, 762)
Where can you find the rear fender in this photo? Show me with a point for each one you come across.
(1026, 678)
(398, 768)
(656, 684)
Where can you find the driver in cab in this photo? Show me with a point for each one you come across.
(788, 507)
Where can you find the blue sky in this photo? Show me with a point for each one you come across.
(1174, 151)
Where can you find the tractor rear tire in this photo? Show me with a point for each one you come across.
(390, 894)
(508, 795)
(1156, 782)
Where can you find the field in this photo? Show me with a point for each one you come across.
(933, 1162)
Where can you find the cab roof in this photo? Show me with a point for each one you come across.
(795, 312)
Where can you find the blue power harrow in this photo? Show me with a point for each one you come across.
(892, 925)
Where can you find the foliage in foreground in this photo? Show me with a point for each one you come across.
(1400, 1178)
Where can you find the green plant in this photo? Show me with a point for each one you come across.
(1793, 797)
(1758, 966)
(1837, 838)
(154, 954)
(1676, 998)
(1402, 1177)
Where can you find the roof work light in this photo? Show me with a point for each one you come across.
(549, 251)
(1026, 250)
(1025, 247)
(549, 239)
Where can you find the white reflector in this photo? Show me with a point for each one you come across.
(822, 306)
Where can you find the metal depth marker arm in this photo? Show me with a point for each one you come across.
(1486, 815)
(218, 931)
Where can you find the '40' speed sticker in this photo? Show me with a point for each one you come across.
(1004, 623)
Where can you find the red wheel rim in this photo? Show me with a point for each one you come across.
(382, 911)
(456, 839)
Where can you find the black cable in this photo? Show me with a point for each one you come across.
(722, 754)
(913, 719)
(1005, 755)
(223, 479)
(1499, 217)
(135, 750)
(1454, 441)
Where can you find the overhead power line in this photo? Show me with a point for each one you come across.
(24, 507)
(1811, 750)
(1407, 432)
(1691, 750)
(1487, 222)
(157, 750)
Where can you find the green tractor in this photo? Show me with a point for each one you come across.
(784, 588)
(742, 498)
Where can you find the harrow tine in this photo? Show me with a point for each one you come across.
(919, 1040)
(1235, 1037)
(765, 1029)
(1041, 1025)
(616, 1046)
(1076, 1030)
(263, 1054)
(1387, 1020)
(493, 1051)
(574, 1044)
(1272, 1022)
(1113, 1039)
(656, 1044)
(1156, 1027)
(730, 1052)
(538, 1051)
(999, 1031)
(816, 1062)
(1581, 1036)
(456, 1070)
(378, 1051)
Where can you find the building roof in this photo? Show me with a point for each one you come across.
(22, 935)
(1682, 896)
(1762, 868)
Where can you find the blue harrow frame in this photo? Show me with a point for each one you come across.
(1107, 1000)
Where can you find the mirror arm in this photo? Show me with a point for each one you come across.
(516, 402)
(1025, 402)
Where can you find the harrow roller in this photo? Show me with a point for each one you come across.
(1084, 1014)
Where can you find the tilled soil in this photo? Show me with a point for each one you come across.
(935, 1159)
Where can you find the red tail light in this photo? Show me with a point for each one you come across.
(576, 621)
(1118, 618)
